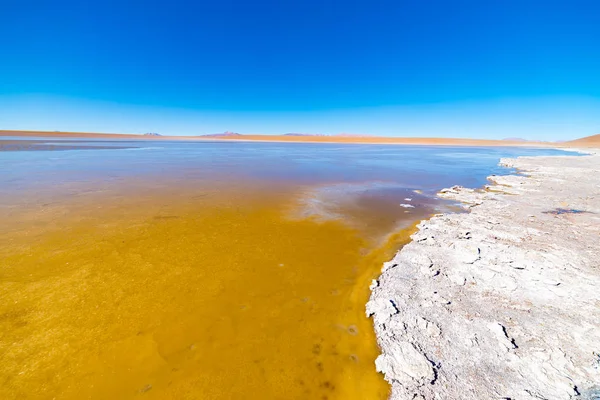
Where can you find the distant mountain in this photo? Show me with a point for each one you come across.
(226, 133)
(515, 139)
(593, 140)
(152, 134)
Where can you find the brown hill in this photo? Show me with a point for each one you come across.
(588, 141)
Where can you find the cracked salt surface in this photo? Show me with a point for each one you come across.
(509, 291)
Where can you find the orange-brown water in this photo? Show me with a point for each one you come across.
(189, 293)
(208, 270)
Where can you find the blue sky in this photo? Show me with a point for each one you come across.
(488, 69)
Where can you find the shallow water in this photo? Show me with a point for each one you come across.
(206, 270)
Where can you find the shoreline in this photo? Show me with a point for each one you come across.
(500, 302)
(377, 140)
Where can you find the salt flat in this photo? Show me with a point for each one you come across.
(501, 302)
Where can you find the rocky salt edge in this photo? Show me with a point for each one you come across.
(502, 302)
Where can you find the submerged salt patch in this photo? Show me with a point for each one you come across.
(407, 205)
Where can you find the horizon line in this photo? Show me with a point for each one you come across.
(286, 137)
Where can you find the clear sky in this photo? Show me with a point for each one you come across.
(488, 69)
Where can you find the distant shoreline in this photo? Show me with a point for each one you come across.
(293, 139)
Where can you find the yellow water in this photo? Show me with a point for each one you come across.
(194, 295)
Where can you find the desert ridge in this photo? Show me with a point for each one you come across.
(588, 141)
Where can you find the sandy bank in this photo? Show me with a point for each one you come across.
(502, 302)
